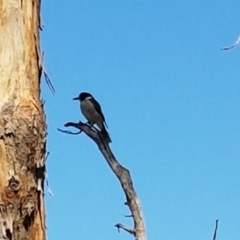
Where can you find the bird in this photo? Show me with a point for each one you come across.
(92, 111)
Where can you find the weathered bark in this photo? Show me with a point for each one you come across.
(132, 201)
(22, 122)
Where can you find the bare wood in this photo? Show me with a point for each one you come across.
(22, 123)
(124, 177)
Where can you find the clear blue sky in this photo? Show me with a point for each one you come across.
(171, 99)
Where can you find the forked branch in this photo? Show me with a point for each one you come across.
(124, 177)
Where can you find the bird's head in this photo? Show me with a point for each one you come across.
(82, 96)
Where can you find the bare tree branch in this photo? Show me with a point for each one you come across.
(48, 81)
(43, 70)
(124, 177)
(233, 45)
(215, 231)
(69, 132)
(129, 230)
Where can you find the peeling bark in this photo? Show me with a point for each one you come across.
(22, 122)
(132, 201)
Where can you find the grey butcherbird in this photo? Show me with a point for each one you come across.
(92, 111)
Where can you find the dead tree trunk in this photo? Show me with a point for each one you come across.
(22, 123)
(123, 175)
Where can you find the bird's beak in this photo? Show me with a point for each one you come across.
(76, 98)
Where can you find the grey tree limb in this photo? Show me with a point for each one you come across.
(124, 177)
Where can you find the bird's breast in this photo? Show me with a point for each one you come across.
(89, 111)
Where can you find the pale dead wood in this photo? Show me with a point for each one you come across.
(215, 230)
(22, 123)
(138, 231)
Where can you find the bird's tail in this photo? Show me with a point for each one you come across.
(105, 134)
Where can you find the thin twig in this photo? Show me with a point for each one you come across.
(83, 124)
(47, 79)
(49, 83)
(47, 155)
(215, 231)
(129, 230)
(69, 132)
(232, 46)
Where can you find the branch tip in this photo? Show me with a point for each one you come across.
(49, 83)
(69, 132)
(233, 45)
(127, 229)
(215, 231)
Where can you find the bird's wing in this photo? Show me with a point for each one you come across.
(98, 109)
